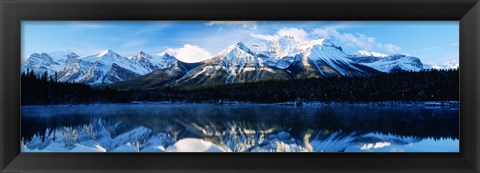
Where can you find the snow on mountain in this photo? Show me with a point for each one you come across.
(314, 58)
(160, 78)
(235, 59)
(452, 65)
(102, 68)
(153, 62)
(108, 67)
(232, 61)
(392, 63)
(282, 52)
(237, 63)
(48, 62)
(259, 47)
(331, 61)
(287, 46)
(281, 59)
(144, 60)
(448, 65)
(92, 69)
(282, 47)
(63, 56)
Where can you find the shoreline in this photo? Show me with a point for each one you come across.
(446, 104)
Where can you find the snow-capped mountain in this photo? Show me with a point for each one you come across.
(48, 62)
(104, 67)
(160, 78)
(152, 62)
(108, 67)
(235, 64)
(287, 46)
(282, 59)
(389, 64)
(283, 51)
(63, 56)
(321, 58)
(314, 58)
(448, 65)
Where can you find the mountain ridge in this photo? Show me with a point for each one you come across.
(284, 59)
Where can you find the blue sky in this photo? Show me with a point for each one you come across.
(434, 42)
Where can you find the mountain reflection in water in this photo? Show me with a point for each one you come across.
(156, 127)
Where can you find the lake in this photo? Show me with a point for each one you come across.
(188, 127)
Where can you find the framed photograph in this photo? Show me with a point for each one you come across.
(246, 86)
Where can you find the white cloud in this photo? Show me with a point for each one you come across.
(265, 37)
(297, 34)
(326, 33)
(190, 53)
(355, 40)
(367, 53)
(245, 24)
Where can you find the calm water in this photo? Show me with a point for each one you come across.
(159, 127)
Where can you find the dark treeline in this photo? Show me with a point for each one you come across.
(39, 89)
(437, 85)
(431, 85)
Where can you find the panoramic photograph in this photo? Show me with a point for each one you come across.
(240, 86)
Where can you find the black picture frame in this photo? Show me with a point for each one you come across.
(14, 11)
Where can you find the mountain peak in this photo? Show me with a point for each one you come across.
(397, 56)
(237, 46)
(243, 47)
(165, 54)
(141, 55)
(240, 44)
(63, 55)
(106, 52)
(35, 54)
(40, 55)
